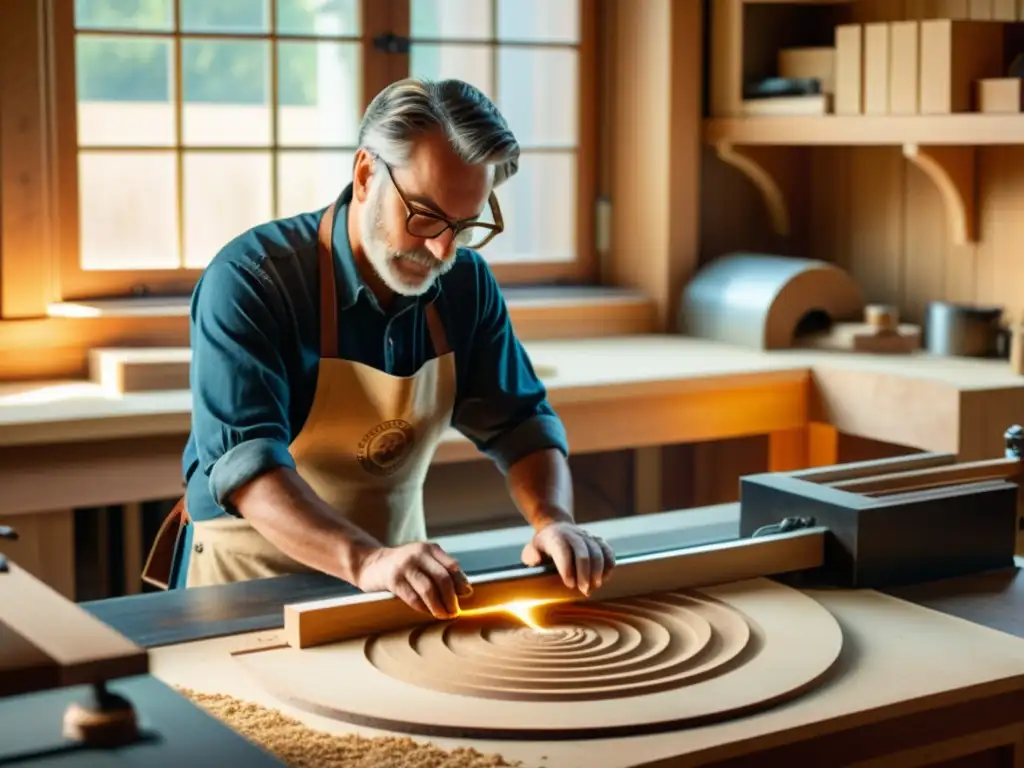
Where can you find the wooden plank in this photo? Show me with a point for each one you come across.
(24, 667)
(931, 477)
(874, 467)
(84, 649)
(326, 621)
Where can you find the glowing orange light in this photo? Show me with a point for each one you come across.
(524, 610)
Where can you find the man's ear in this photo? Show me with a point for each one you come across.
(361, 175)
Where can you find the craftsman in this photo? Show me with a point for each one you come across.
(331, 351)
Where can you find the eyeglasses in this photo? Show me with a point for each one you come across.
(468, 233)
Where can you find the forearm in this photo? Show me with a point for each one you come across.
(282, 507)
(540, 484)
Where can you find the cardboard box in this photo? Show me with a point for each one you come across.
(904, 67)
(849, 70)
(876, 68)
(955, 54)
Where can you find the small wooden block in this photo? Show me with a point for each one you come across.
(128, 370)
(954, 54)
(849, 69)
(904, 67)
(1001, 95)
(810, 104)
(863, 337)
(877, 68)
(810, 63)
(902, 341)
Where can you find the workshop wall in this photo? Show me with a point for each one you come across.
(872, 212)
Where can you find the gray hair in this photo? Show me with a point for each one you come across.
(409, 108)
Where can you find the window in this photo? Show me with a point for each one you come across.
(192, 120)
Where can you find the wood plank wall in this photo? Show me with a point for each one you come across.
(870, 211)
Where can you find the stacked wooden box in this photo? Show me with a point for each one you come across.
(927, 67)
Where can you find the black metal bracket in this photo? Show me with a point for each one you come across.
(389, 42)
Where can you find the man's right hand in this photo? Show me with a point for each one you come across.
(422, 575)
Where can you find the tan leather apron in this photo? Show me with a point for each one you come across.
(365, 449)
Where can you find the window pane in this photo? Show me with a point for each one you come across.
(450, 19)
(539, 206)
(315, 17)
(549, 21)
(319, 88)
(125, 91)
(226, 193)
(128, 210)
(149, 15)
(225, 16)
(472, 63)
(538, 94)
(227, 92)
(308, 181)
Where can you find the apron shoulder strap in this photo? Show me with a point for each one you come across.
(436, 329)
(328, 288)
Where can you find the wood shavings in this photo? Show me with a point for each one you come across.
(300, 746)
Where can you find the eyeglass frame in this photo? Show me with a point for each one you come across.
(455, 226)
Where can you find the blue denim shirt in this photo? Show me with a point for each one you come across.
(255, 335)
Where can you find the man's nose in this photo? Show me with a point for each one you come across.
(441, 246)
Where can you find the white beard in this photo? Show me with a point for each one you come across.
(382, 257)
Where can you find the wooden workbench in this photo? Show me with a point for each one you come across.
(66, 445)
(919, 640)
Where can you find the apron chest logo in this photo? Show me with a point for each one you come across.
(384, 449)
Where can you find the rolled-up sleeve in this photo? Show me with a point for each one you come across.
(502, 405)
(240, 416)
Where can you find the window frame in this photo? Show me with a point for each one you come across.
(44, 105)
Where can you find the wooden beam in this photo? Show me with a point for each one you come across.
(27, 277)
(932, 477)
(48, 642)
(328, 621)
(654, 51)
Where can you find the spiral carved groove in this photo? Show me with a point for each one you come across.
(598, 669)
(624, 648)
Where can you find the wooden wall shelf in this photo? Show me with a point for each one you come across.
(972, 129)
(943, 147)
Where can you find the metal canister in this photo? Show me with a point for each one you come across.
(962, 330)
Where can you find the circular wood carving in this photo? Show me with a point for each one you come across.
(626, 666)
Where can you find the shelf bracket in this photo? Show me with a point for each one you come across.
(752, 162)
(952, 170)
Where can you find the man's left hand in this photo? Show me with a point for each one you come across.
(583, 560)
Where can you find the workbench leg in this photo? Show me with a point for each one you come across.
(45, 547)
(787, 450)
(822, 445)
(816, 445)
(131, 548)
(647, 480)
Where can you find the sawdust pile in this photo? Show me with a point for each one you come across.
(299, 746)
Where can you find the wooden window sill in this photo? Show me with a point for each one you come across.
(517, 297)
(59, 346)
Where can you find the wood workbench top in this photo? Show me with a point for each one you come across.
(990, 600)
(583, 370)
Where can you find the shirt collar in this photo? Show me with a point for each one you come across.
(350, 282)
